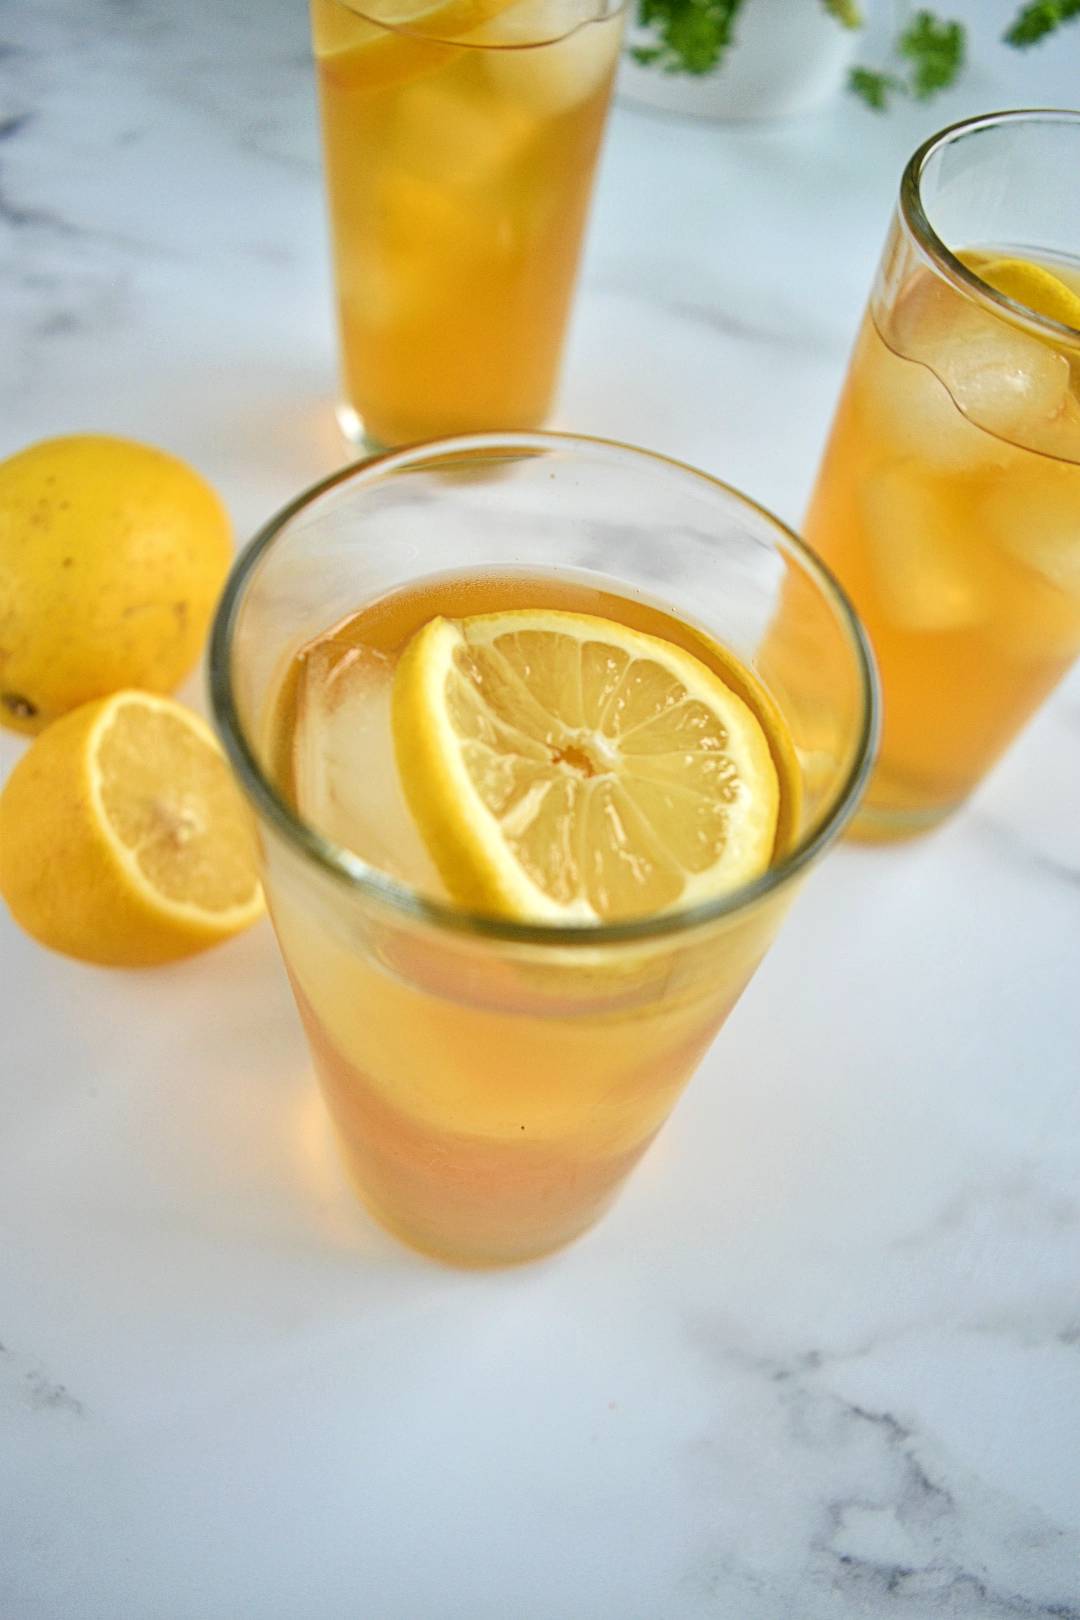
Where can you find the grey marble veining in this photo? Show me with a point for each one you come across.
(36, 1389)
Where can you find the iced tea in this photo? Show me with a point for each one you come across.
(674, 736)
(460, 144)
(477, 1109)
(948, 503)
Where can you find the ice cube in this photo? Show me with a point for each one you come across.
(1031, 522)
(906, 411)
(456, 138)
(344, 767)
(550, 79)
(1004, 380)
(390, 277)
(927, 576)
(380, 292)
(1059, 435)
(1036, 520)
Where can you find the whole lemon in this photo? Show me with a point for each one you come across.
(112, 555)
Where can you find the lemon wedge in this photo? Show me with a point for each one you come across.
(123, 839)
(1031, 285)
(392, 41)
(566, 768)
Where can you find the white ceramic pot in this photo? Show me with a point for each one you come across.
(789, 57)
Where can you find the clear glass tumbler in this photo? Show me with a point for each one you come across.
(493, 1082)
(460, 142)
(948, 500)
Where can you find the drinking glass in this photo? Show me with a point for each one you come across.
(492, 1082)
(460, 143)
(948, 500)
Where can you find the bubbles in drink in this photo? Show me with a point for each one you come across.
(344, 770)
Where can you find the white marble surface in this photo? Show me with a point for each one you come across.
(823, 1360)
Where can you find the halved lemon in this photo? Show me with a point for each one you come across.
(565, 768)
(1032, 285)
(123, 839)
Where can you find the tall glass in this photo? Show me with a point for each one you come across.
(492, 1082)
(460, 142)
(948, 501)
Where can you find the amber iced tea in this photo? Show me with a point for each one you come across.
(459, 148)
(960, 546)
(491, 1080)
(949, 504)
(480, 1111)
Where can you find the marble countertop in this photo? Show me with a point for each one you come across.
(822, 1362)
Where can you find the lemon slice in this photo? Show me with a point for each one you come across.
(566, 768)
(123, 839)
(392, 40)
(1031, 285)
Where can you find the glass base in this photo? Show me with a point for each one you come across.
(356, 433)
(465, 1253)
(422, 1242)
(351, 424)
(878, 824)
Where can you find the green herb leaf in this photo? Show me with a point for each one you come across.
(1034, 22)
(875, 88)
(935, 50)
(847, 12)
(692, 36)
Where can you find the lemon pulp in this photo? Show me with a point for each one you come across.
(568, 768)
(123, 839)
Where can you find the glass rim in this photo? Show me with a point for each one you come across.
(366, 880)
(604, 11)
(941, 256)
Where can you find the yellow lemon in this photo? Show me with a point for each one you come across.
(112, 555)
(567, 768)
(1029, 284)
(123, 839)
